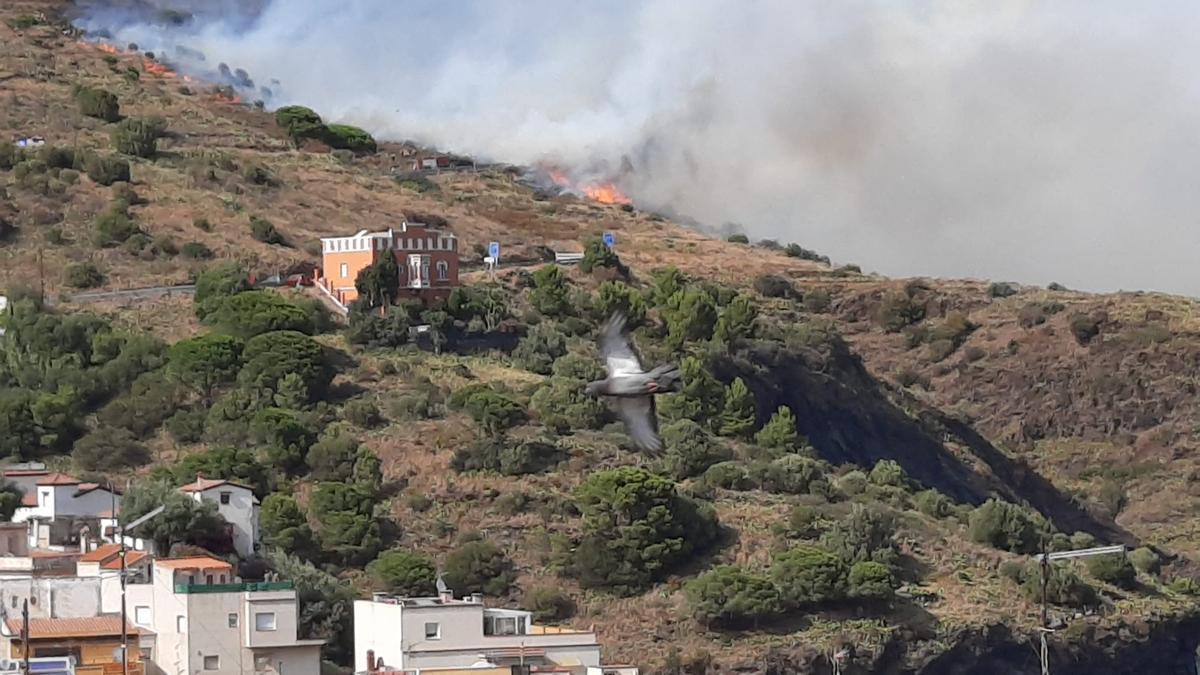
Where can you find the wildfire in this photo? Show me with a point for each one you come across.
(108, 49)
(156, 68)
(606, 193)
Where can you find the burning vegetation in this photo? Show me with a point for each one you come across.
(602, 191)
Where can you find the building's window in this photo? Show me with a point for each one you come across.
(443, 270)
(208, 579)
(222, 580)
(33, 599)
(14, 602)
(191, 579)
(233, 620)
(225, 497)
(43, 496)
(141, 615)
(212, 662)
(264, 621)
(181, 624)
(261, 663)
(144, 652)
(501, 625)
(345, 270)
(433, 630)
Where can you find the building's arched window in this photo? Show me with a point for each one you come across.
(443, 270)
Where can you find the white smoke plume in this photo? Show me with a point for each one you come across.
(1011, 139)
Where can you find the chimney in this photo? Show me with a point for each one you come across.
(371, 661)
(477, 598)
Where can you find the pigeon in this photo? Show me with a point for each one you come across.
(631, 388)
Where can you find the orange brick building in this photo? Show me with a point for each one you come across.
(427, 257)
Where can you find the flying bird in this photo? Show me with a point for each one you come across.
(630, 387)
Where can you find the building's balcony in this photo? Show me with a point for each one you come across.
(248, 587)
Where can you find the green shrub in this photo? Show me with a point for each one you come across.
(871, 581)
(738, 239)
(690, 450)
(1008, 527)
(1084, 328)
(138, 136)
(853, 483)
(1002, 289)
(889, 472)
(560, 404)
(1145, 560)
(817, 301)
(1184, 586)
(774, 286)
(479, 567)
(898, 311)
(1063, 586)
(187, 426)
(494, 412)
(252, 313)
(549, 604)
(932, 503)
(1113, 569)
(257, 174)
(866, 534)
(779, 433)
(413, 405)
(1013, 571)
(106, 170)
(83, 275)
(505, 457)
(109, 449)
(98, 103)
(539, 348)
(808, 575)
(804, 522)
(728, 596)
(362, 413)
(300, 123)
(346, 137)
(10, 155)
(263, 230)
(404, 573)
(798, 251)
(728, 475)
(597, 255)
(636, 529)
(274, 359)
(195, 250)
(790, 474)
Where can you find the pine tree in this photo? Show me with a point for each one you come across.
(736, 321)
(737, 419)
(780, 432)
(700, 397)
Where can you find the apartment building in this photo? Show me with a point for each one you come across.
(61, 510)
(444, 634)
(427, 258)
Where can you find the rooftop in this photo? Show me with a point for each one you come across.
(203, 484)
(384, 234)
(57, 478)
(131, 558)
(196, 562)
(98, 626)
(101, 553)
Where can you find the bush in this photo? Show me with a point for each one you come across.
(348, 530)
(346, 137)
(106, 170)
(1063, 586)
(1002, 289)
(1084, 328)
(284, 526)
(252, 313)
(889, 472)
(871, 581)
(510, 459)
(98, 103)
(1112, 569)
(263, 230)
(597, 255)
(138, 136)
(404, 573)
(274, 359)
(551, 292)
(113, 228)
(109, 449)
(194, 250)
(1145, 560)
(690, 449)
(1184, 586)
(729, 596)
(300, 123)
(853, 483)
(636, 529)
(817, 301)
(728, 475)
(798, 251)
(363, 413)
(690, 316)
(1008, 527)
(807, 575)
(539, 348)
(549, 604)
(83, 275)
(738, 417)
(866, 535)
(561, 405)
(774, 286)
(187, 426)
(932, 503)
(898, 311)
(479, 567)
(494, 412)
(779, 433)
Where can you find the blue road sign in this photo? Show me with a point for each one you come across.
(494, 250)
(609, 239)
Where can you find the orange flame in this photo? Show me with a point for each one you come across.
(606, 193)
(156, 68)
(108, 49)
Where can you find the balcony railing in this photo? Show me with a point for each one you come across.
(235, 588)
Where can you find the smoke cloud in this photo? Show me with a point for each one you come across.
(1010, 139)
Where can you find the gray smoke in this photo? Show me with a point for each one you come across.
(1013, 139)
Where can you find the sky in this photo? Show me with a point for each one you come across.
(1009, 139)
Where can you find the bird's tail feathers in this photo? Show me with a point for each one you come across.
(667, 377)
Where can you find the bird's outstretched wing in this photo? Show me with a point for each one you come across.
(641, 421)
(620, 359)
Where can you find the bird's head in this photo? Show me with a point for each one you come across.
(592, 389)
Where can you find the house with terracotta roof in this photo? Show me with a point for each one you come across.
(62, 511)
(95, 643)
(237, 505)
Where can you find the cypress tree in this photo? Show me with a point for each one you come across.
(737, 419)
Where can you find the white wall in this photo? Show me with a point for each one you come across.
(241, 512)
(377, 627)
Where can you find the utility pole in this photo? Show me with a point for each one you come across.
(25, 636)
(1044, 558)
(41, 278)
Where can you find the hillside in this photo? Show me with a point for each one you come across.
(911, 402)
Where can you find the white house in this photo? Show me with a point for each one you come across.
(237, 505)
(442, 633)
(62, 511)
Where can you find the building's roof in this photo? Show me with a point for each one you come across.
(20, 473)
(50, 553)
(57, 478)
(29, 499)
(204, 484)
(403, 227)
(94, 626)
(196, 562)
(101, 553)
(131, 558)
(85, 488)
